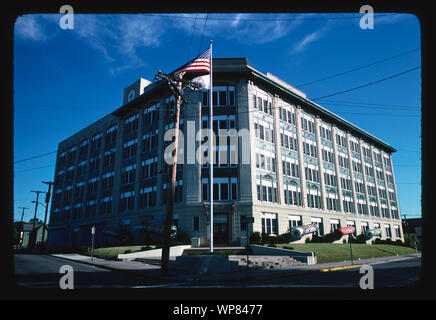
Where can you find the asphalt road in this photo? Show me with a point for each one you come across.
(42, 271)
(402, 273)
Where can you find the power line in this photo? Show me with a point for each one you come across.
(368, 84)
(192, 36)
(411, 107)
(30, 169)
(204, 28)
(272, 20)
(34, 157)
(356, 69)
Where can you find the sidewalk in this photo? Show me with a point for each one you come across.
(147, 271)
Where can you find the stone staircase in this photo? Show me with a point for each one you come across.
(267, 262)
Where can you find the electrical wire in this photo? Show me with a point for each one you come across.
(34, 157)
(368, 84)
(356, 69)
(273, 20)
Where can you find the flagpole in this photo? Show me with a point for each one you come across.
(211, 154)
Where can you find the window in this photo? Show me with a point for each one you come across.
(332, 203)
(397, 231)
(111, 135)
(269, 223)
(127, 200)
(328, 156)
(312, 174)
(148, 197)
(131, 124)
(330, 179)
(348, 205)
(222, 96)
(106, 205)
(128, 174)
(224, 189)
(308, 125)
(340, 140)
(129, 150)
(109, 157)
(196, 223)
(314, 200)
(388, 231)
(319, 222)
(310, 149)
(334, 224)
(294, 221)
(108, 181)
(267, 191)
(346, 183)
(326, 133)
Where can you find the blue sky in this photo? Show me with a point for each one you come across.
(67, 79)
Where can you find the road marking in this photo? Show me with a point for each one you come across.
(161, 285)
(340, 268)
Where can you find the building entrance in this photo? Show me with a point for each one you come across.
(220, 229)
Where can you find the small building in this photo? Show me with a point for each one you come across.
(27, 235)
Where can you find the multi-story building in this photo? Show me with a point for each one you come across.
(297, 163)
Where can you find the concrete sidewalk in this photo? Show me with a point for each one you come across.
(146, 271)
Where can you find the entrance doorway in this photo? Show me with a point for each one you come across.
(220, 229)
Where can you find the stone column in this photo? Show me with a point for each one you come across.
(320, 162)
(191, 167)
(278, 150)
(350, 159)
(337, 170)
(376, 183)
(364, 175)
(298, 115)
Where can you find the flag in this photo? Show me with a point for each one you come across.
(198, 67)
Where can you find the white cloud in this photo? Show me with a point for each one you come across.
(246, 28)
(34, 27)
(301, 45)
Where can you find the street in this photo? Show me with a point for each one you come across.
(43, 271)
(402, 273)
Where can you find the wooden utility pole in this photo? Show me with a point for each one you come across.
(171, 190)
(47, 200)
(175, 84)
(22, 213)
(33, 238)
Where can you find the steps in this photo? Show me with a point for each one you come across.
(256, 262)
(267, 262)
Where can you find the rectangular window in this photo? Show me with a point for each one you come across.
(196, 223)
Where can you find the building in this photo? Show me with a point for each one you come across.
(297, 163)
(413, 228)
(26, 234)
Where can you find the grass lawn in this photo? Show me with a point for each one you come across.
(111, 253)
(333, 252)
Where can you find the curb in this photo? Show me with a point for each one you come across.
(340, 268)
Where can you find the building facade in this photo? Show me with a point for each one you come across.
(281, 158)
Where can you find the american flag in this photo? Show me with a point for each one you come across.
(198, 66)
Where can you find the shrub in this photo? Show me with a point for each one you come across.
(264, 238)
(283, 238)
(183, 236)
(255, 238)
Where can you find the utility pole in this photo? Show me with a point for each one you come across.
(47, 200)
(175, 84)
(22, 214)
(33, 238)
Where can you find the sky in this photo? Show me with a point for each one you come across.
(66, 79)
